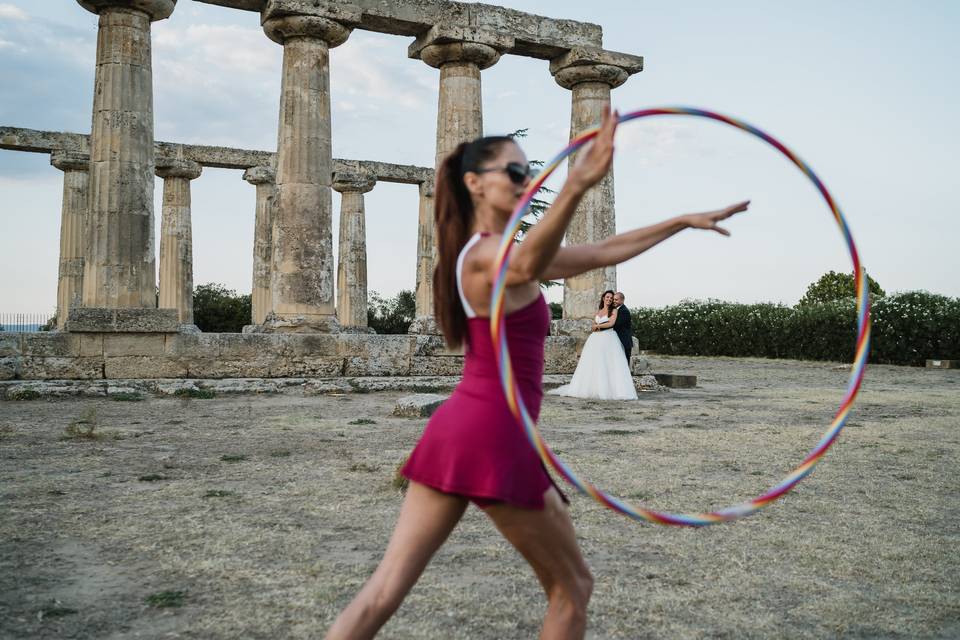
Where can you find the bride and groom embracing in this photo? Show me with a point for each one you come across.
(603, 371)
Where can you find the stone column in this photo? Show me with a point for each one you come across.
(352, 264)
(176, 238)
(424, 322)
(264, 178)
(73, 222)
(590, 74)
(120, 271)
(302, 283)
(460, 54)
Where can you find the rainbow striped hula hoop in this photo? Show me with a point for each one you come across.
(515, 402)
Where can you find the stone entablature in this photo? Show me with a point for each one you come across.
(533, 36)
(36, 141)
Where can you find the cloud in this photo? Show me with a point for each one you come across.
(10, 12)
(657, 141)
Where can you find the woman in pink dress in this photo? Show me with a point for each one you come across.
(472, 450)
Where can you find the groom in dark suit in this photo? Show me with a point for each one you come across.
(623, 326)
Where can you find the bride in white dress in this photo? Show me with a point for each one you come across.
(602, 372)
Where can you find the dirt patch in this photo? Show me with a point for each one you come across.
(260, 516)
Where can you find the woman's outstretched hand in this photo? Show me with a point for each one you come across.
(709, 219)
(594, 160)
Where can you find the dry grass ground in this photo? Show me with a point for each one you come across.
(260, 516)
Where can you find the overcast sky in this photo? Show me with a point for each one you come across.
(860, 90)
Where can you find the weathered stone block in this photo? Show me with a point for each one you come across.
(91, 345)
(306, 344)
(133, 344)
(560, 354)
(308, 367)
(35, 368)
(8, 367)
(192, 345)
(10, 344)
(639, 365)
(578, 328)
(239, 346)
(434, 346)
(219, 368)
(421, 405)
(99, 320)
(649, 383)
(139, 367)
(436, 366)
(375, 345)
(425, 326)
(46, 344)
(676, 380)
(386, 365)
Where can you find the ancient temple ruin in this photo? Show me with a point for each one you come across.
(309, 315)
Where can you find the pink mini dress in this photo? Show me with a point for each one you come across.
(472, 445)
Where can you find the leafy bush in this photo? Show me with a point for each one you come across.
(837, 286)
(907, 328)
(910, 327)
(391, 315)
(217, 309)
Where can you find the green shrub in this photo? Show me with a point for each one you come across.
(391, 315)
(837, 286)
(907, 328)
(217, 309)
(910, 327)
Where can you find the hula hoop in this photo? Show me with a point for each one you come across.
(519, 410)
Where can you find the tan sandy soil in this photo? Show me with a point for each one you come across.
(268, 512)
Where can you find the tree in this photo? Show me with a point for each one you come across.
(837, 286)
(217, 309)
(392, 315)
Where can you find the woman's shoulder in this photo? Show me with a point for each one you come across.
(484, 251)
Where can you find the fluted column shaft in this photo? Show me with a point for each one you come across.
(595, 218)
(73, 222)
(460, 107)
(261, 301)
(426, 252)
(352, 264)
(176, 238)
(302, 283)
(120, 271)
(459, 119)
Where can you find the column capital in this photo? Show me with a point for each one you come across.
(178, 168)
(260, 175)
(588, 64)
(156, 9)
(70, 160)
(357, 181)
(450, 43)
(331, 22)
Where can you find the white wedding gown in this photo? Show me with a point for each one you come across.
(602, 372)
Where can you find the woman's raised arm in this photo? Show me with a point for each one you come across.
(539, 248)
(572, 261)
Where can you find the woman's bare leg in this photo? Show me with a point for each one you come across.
(426, 519)
(547, 540)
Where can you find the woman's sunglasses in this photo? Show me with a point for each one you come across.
(517, 172)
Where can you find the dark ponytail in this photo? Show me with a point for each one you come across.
(453, 216)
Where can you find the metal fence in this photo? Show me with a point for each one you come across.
(24, 322)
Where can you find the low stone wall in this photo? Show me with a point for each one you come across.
(87, 356)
